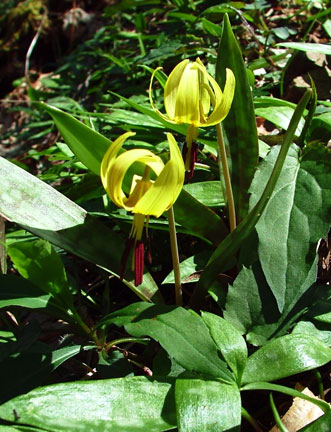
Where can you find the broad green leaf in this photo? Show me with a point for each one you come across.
(251, 306)
(42, 210)
(211, 28)
(320, 128)
(286, 356)
(205, 405)
(295, 218)
(279, 116)
(123, 404)
(320, 425)
(190, 268)
(229, 341)
(133, 118)
(181, 333)
(16, 291)
(223, 255)
(75, 133)
(239, 125)
(209, 193)
(199, 219)
(308, 328)
(38, 262)
(308, 47)
(123, 316)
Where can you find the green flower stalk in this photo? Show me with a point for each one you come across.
(193, 97)
(147, 197)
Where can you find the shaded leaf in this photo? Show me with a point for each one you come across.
(296, 217)
(38, 262)
(229, 341)
(16, 291)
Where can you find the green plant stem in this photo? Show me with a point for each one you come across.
(251, 420)
(227, 178)
(175, 256)
(110, 344)
(277, 418)
(92, 334)
(319, 380)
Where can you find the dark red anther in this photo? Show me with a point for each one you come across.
(139, 262)
(128, 246)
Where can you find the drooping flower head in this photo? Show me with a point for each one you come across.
(192, 96)
(146, 197)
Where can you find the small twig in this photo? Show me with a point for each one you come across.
(31, 48)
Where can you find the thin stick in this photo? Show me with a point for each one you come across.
(31, 48)
(227, 179)
(175, 256)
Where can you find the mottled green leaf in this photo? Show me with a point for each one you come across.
(205, 405)
(286, 356)
(124, 404)
(308, 47)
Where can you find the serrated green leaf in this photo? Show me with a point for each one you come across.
(124, 404)
(286, 356)
(239, 125)
(205, 405)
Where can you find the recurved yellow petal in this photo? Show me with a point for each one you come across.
(223, 102)
(165, 190)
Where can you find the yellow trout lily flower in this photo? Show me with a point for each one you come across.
(146, 197)
(192, 96)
